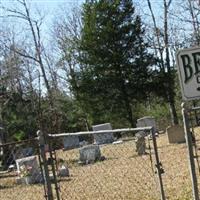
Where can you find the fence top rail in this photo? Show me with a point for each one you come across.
(148, 128)
(19, 142)
(194, 108)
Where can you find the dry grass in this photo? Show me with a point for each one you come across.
(122, 176)
(9, 190)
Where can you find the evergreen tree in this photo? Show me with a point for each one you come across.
(115, 64)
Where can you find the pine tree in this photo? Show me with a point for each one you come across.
(114, 59)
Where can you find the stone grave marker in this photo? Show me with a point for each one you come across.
(89, 154)
(146, 121)
(29, 168)
(175, 134)
(140, 143)
(70, 142)
(103, 138)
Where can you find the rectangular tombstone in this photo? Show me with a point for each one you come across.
(89, 154)
(70, 142)
(146, 121)
(140, 145)
(29, 167)
(175, 134)
(103, 138)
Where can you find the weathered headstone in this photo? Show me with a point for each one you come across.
(63, 171)
(70, 142)
(175, 134)
(140, 143)
(29, 167)
(89, 154)
(146, 121)
(103, 138)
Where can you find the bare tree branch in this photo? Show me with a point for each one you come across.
(169, 3)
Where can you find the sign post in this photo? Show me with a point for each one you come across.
(188, 65)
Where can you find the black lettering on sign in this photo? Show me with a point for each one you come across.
(196, 57)
(198, 79)
(188, 72)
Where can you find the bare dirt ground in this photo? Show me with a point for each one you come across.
(121, 176)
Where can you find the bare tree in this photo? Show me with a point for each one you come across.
(164, 56)
(35, 30)
(67, 32)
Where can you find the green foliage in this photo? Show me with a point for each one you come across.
(66, 115)
(115, 64)
(18, 117)
(19, 135)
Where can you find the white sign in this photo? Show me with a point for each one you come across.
(188, 63)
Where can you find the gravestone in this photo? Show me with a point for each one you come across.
(146, 121)
(140, 143)
(29, 167)
(175, 134)
(63, 171)
(89, 154)
(70, 142)
(103, 138)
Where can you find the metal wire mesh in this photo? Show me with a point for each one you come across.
(123, 169)
(195, 131)
(119, 172)
(22, 182)
(176, 177)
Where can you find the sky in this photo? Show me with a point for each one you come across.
(51, 9)
(48, 8)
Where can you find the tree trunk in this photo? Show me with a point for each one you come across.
(173, 113)
(170, 88)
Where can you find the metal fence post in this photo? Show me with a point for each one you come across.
(158, 164)
(188, 138)
(45, 165)
(54, 172)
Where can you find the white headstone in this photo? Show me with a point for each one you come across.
(175, 134)
(70, 142)
(146, 121)
(29, 167)
(89, 154)
(103, 138)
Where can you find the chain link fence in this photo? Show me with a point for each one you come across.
(194, 122)
(176, 177)
(20, 172)
(83, 166)
(123, 169)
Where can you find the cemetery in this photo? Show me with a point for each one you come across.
(125, 162)
(99, 100)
